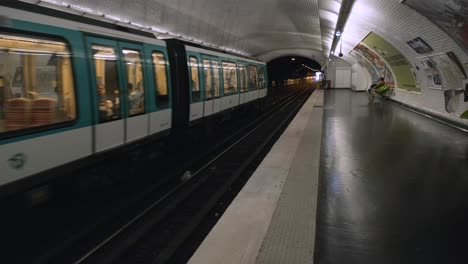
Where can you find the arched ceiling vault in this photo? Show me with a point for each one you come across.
(262, 28)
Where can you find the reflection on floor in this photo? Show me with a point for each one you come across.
(393, 186)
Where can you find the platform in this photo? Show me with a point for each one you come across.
(392, 188)
(258, 223)
(393, 185)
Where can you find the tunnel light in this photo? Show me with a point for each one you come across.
(317, 75)
(293, 59)
(338, 33)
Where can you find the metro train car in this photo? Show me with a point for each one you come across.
(73, 89)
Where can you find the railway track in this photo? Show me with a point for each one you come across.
(155, 235)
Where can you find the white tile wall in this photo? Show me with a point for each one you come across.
(398, 23)
(361, 79)
(336, 64)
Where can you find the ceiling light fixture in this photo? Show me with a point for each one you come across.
(118, 19)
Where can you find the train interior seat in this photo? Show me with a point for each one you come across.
(43, 111)
(17, 113)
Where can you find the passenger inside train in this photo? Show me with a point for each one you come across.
(107, 104)
(135, 98)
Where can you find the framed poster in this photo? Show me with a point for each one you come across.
(429, 73)
(419, 45)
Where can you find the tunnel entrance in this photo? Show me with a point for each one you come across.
(291, 67)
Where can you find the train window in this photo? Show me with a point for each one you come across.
(229, 77)
(207, 79)
(195, 80)
(216, 87)
(160, 75)
(253, 77)
(107, 83)
(243, 78)
(36, 83)
(261, 78)
(136, 90)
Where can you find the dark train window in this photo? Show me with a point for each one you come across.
(36, 83)
(160, 77)
(217, 86)
(243, 79)
(207, 79)
(229, 77)
(135, 85)
(261, 78)
(253, 78)
(195, 80)
(107, 83)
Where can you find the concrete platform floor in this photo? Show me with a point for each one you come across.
(393, 186)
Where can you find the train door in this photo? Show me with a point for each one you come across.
(196, 93)
(230, 85)
(243, 82)
(106, 82)
(135, 91)
(216, 85)
(261, 81)
(253, 82)
(208, 85)
(159, 93)
(265, 80)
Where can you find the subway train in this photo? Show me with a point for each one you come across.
(74, 88)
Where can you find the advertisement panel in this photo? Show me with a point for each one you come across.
(364, 62)
(399, 65)
(382, 69)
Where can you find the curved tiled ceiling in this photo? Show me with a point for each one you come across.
(266, 29)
